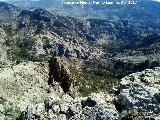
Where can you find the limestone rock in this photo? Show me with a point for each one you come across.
(74, 110)
(140, 91)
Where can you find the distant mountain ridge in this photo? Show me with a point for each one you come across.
(111, 35)
(145, 12)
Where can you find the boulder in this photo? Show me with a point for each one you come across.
(89, 102)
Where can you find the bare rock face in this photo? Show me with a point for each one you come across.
(59, 73)
(141, 91)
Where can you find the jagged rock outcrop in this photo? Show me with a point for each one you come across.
(59, 73)
(141, 91)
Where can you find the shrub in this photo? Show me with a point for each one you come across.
(89, 83)
(131, 114)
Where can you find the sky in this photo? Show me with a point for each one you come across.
(18, 0)
(38, 0)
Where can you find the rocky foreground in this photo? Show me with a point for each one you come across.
(27, 94)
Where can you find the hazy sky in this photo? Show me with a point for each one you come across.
(38, 0)
(18, 0)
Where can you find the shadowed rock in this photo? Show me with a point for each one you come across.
(89, 102)
(59, 73)
(48, 104)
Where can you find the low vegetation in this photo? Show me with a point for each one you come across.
(89, 83)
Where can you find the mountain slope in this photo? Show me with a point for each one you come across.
(38, 32)
(8, 12)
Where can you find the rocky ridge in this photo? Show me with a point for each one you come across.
(27, 95)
